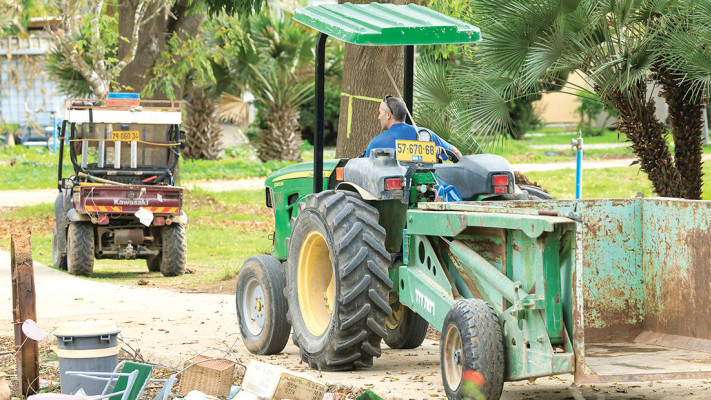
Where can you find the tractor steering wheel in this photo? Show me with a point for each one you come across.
(450, 155)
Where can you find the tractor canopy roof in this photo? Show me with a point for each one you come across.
(378, 24)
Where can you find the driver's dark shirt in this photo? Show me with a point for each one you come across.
(401, 131)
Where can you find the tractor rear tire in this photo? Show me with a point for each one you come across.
(153, 263)
(472, 340)
(175, 250)
(337, 281)
(535, 193)
(261, 305)
(80, 248)
(406, 329)
(59, 235)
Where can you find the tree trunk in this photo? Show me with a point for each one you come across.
(686, 123)
(648, 137)
(203, 129)
(282, 138)
(364, 75)
(153, 38)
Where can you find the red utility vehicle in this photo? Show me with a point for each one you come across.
(120, 202)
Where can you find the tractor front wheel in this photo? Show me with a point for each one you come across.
(175, 250)
(80, 248)
(337, 281)
(405, 328)
(472, 340)
(261, 305)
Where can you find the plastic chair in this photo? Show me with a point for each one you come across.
(167, 387)
(129, 383)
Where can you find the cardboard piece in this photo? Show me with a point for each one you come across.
(263, 381)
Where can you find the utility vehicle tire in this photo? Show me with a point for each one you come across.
(405, 328)
(337, 281)
(535, 193)
(153, 263)
(80, 248)
(175, 250)
(261, 305)
(472, 340)
(59, 235)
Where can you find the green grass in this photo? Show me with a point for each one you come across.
(607, 136)
(224, 229)
(622, 182)
(36, 168)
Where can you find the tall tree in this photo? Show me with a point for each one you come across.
(181, 18)
(364, 74)
(89, 58)
(617, 47)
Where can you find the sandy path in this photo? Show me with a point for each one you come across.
(171, 327)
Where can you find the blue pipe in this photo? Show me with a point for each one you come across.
(579, 174)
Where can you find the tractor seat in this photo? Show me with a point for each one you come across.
(470, 174)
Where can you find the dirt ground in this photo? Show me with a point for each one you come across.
(168, 328)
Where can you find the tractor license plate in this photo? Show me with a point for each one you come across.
(416, 151)
(127, 136)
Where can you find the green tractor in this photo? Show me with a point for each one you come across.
(367, 253)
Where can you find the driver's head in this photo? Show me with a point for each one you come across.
(392, 111)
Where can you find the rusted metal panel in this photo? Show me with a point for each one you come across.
(640, 287)
(611, 268)
(453, 222)
(677, 267)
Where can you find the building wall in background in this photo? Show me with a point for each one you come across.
(25, 88)
(559, 108)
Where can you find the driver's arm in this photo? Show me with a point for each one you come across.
(446, 145)
(456, 152)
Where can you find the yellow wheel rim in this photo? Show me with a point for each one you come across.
(453, 357)
(392, 321)
(315, 283)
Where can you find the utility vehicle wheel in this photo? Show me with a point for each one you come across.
(80, 248)
(337, 281)
(261, 305)
(405, 328)
(175, 250)
(153, 263)
(59, 235)
(535, 193)
(472, 340)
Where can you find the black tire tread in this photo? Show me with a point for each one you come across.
(153, 263)
(535, 193)
(364, 285)
(59, 234)
(410, 332)
(482, 344)
(275, 334)
(175, 250)
(80, 248)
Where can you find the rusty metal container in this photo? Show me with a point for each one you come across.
(640, 289)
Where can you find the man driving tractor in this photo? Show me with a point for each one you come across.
(393, 112)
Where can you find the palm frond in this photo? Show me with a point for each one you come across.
(232, 109)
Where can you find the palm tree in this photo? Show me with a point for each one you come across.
(272, 58)
(617, 47)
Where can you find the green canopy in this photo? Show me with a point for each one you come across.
(379, 24)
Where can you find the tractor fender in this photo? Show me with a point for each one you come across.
(181, 218)
(352, 187)
(74, 216)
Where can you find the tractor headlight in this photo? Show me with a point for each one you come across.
(424, 135)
